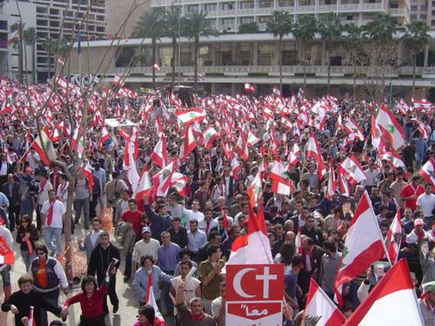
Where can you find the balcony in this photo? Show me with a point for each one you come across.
(273, 70)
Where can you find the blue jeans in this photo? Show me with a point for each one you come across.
(27, 258)
(80, 204)
(49, 232)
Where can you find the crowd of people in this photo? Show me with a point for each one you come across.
(179, 231)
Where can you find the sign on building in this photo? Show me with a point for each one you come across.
(254, 295)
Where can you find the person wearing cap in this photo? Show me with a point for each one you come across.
(418, 233)
(427, 303)
(426, 203)
(148, 246)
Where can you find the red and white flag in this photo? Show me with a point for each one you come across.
(188, 144)
(31, 321)
(44, 147)
(163, 180)
(144, 185)
(332, 182)
(353, 170)
(249, 87)
(421, 104)
(179, 182)
(320, 310)
(313, 151)
(352, 127)
(151, 300)
(156, 67)
(281, 183)
(391, 302)
(190, 116)
(364, 244)
(393, 160)
(254, 190)
(427, 171)
(391, 129)
(394, 238)
(209, 136)
(118, 80)
(160, 155)
(129, 165)
(253, 247)
(293, 157)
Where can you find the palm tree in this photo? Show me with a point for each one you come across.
(330, 29)
(50, 45)
(17, 44)
(30, 38)
(381, 28)
(304, 31)
(280, 25)
(197, 25)
(151, 25)
(173, 23)
(415, 38)
(353, 39)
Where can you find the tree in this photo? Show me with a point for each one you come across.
(330, 29)
(353, 39)
(304, 31)
(249, 28)
(379, 55)
(30, 38)
(50, 45)
(17, 44)
(415, 38)
(196, 25)
(280, 25)
(173, 24)
(151, 25)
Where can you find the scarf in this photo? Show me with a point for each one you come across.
(50, 214)
(197, 318)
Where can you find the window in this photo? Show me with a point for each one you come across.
(210, 7)
(413, 8)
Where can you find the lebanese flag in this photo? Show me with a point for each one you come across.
(394, 238)
(179, 182)
(353, 170)
(31, 321)
(241, 148)
(364, 243)
(252, 139)
(276, 91)
(144, 185)
(313, 151)
(422, 104)
(7, 105)
(427, 171)
(129, 165)
(390, 128)
(235, 167)
(375, 133)
(352, 127)
(87, 171)
(253, 247)
(44, 147)
(118, 80)
(151, 300)
(281, 184)
(332, 182)
(343, 185)
(209, 136)
(249, 87)
(190, 116)
(391, 302)
(320, 310)
(163, 180)
(293, 157)
(393, 160)
(254, 190)
(188, 143)
(159, 155)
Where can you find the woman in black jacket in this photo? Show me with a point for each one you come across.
(27, 235)
(20, 303)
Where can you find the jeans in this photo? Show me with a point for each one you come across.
(49, 232)
(53, 298)
(38, 217)
(27, 258)
(14, 216)
(78, 205)
(128, 262)
(26, 207)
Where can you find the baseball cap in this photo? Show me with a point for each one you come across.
(418, 221)
(146, 229)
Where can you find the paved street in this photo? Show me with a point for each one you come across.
(128, 300)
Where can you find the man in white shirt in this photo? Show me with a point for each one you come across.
(53, 215)
(426, 203)
(195, 238)
(207, 223)
(146, 246)
(372, 177)
(33, 159)
(193, 214)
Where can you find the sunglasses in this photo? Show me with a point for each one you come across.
(40, 253)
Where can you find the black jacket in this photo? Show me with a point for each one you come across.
(100, 260)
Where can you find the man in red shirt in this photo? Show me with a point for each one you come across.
(134, 217)
(410, 193)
